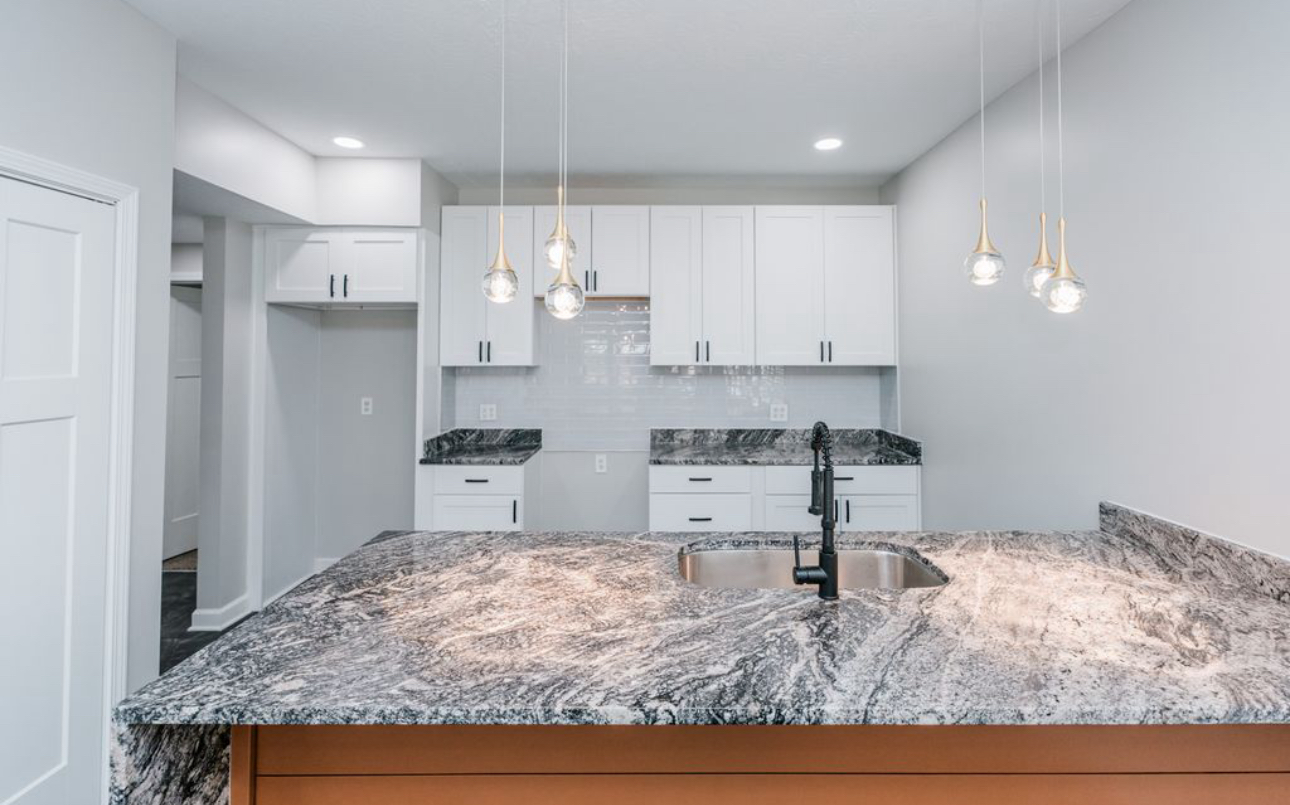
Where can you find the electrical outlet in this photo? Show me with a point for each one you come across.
(487, 412)
(779, 412)
(365, 406)
(602, 463)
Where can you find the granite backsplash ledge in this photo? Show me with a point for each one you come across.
(483, 446)
(785, 446)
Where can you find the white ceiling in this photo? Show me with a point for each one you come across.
(661, 90)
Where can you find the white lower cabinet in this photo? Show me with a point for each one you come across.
(723, 498)
(454, 497)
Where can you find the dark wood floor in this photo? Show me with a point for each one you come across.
(178, 600)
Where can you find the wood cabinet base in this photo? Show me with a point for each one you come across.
(378, 765)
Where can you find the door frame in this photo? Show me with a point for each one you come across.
(46, 173)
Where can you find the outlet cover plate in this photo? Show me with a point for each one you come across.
(488, 412)
(602, 463)
(779, 412)
(365, 406)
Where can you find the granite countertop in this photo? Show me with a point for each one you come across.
(1140, 622)
(483, 446)
(758, 446)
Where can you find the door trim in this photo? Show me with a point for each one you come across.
(46, 173)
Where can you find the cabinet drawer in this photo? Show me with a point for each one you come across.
(700, 479)
(478, 513)
(450, 479)
(684, 512)
(878, 513)
(846, 480)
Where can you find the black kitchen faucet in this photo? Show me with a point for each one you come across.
(825, 574)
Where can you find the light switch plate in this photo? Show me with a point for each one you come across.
(602, 463)
(488, 412)
(779, 412)
(365, 406)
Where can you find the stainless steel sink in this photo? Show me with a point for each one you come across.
(867, 569)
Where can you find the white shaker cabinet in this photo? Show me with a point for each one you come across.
(701, 286)
(335, 267)
(826, 286)
(472, 330)
(620, 263)
(454, 497)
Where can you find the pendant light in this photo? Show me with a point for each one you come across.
(500, 283)
(985, 264)
(559, 241)
(1063, 292)
(1043, 267)
(564, 298)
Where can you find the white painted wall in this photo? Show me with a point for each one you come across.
(369, 192)
(1169, 391)
(291, 446)
(227, 331)
(91, 84)
(186, 262)
(436, 191)
(219, 144)
(748, 192)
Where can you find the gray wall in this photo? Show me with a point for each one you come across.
(1169, 391)
(91, 84)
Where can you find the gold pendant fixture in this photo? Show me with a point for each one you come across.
(500, 284)
(1042, 268)
(984, 266)
(559, 241)
(1063, 292)
(564, 297)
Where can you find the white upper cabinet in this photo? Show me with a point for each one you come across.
(790, 286)
(676, 286)
(859, 286)
(701, 286)
(472, 330)
(578, 221)
(729, 303)
(826, 286)
(339, 266)
(620, 265)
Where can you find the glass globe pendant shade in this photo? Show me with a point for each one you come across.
(564, 298)
(984, 266)
(500, 286)
(1063, 292)
(1043, 267)
(559, 242)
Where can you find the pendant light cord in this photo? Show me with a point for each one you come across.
(1061, 149)
(980, 49)
(1043, 179)
(564, 107)
(501, 179)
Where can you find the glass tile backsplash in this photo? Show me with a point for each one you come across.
(595, 390)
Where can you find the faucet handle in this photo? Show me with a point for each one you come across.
(797, 554)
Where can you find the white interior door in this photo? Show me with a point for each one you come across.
(56, 289)
(183, 422)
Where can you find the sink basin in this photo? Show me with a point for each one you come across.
(858, 569)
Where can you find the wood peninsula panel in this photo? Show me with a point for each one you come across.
(321, 765)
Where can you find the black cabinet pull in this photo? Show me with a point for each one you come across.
(830, 352)
(848, 511)
(707, 348)
(845, 478)
(835, 511)
(700, 479)
(476, 480)
(331, 286)
(696, 351)
(490, 351)
(700, 519)
(586, 279)
(595, 280)
(515, 511)
(345, 287)
(821, 352)
(481, 351)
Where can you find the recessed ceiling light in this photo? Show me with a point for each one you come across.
(828, 144)
(353, 142)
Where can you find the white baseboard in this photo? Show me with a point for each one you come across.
(324, 562)
(217, 620)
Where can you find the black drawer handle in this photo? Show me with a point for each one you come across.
(476, 480)
(700, 479)
(700, 519)
(845, 478)
(515, 511)
(331, 286)
(346, 286)
(848, 511)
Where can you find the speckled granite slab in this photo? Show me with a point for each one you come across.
(480, 446)
(765, 446)
(1106, 627)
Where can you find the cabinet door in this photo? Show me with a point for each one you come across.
(789, 513)
(508, 340)
(859, 286)
(477, 513)
(676, 286)
(700, 512)
(382, 267)
(578, 221)
(463, 259)
(304, 265)
(790, 286)
(878, 513)
(621, 264)
(728, 299)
